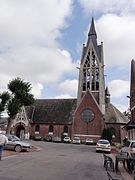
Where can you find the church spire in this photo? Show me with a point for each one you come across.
(92, 31)
(107, 93)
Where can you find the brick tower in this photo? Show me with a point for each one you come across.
(91, 73)
(89, 115)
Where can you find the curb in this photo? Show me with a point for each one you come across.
(122, 171)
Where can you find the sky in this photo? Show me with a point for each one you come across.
(41, 42)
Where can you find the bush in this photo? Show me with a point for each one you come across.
(32, 136)
(107, 134)
(118, 145)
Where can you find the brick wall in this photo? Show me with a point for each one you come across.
(120, 132)
(132, 91)
(44, 130)
(96, 126)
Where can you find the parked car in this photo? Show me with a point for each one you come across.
(76, 140)
(57, 139)
(129, 148)
(37, 137)
(48, 138)
(89, 141)
(67, 140)
(103, 145)
(14, 143)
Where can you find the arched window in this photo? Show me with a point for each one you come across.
(37, 128)
(50, 129)
(91, 72)
(65, 129)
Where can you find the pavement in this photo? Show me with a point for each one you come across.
(122, 174)
(7, 153)
(126, 175)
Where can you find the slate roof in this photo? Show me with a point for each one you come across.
(52, 111)
(130, 125)
(60, 111)
(113, 115)
(29, 112)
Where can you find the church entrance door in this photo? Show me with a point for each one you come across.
(20, 132)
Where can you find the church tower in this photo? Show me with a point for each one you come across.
(91, 72)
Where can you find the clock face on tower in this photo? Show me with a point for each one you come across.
(88, 115)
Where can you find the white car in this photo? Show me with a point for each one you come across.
(14, 143)
(76, 140)
(89, 141)
(57, 139)
(103, 145)
(129, 148)
(67, 140)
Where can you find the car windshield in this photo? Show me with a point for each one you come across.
(103, 142)
(133, 145)
(76, 138)
(13, 138)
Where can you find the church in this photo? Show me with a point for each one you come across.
(85, 116)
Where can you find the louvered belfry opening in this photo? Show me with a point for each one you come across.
(91, 72)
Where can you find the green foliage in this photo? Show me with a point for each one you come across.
(18, 86)
(118, 146)
(127, 113)
(25, 99)
(107, 134)
(13, 107)
(20, 96)
(4, 97)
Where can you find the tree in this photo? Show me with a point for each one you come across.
(4, 97)
(127, 113)
(19, 96)
(107, 134)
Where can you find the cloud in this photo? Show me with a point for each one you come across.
(64, 96)
(29, 47)
(69, 87)
(4, 80)
(119, 88)
(38, 64)
(32, 21)
(121, 107)
(115, 27)
(111, 6)
(117, 33)
(37, 89)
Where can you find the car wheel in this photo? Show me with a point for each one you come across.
(18, 148)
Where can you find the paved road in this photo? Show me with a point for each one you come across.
(55, 162)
